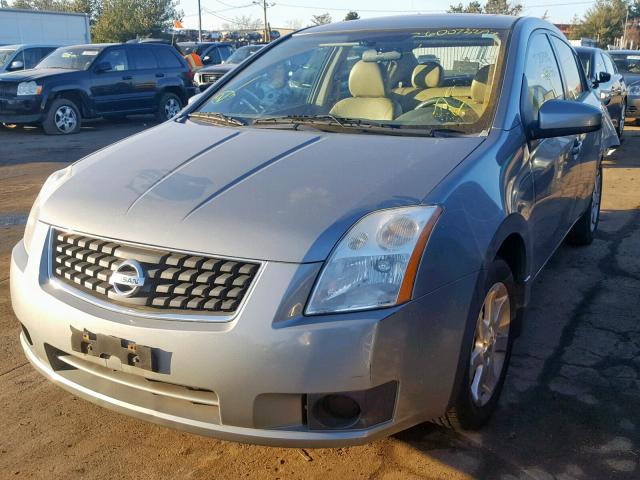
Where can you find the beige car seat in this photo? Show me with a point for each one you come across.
(368, 95)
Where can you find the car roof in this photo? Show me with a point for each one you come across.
(93, 45)
(193, 44)
(588, 49)
(418, 22)
(626, 52)
(18, 46)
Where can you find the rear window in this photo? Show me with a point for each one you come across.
(143, 58)
(166, 58)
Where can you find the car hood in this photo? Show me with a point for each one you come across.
(34, 74)
(266, 194)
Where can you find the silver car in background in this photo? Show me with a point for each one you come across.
(335, 242)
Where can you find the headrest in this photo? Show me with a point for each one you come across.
(480, 84)
(399, 72)
(365, 80)
(427, 75)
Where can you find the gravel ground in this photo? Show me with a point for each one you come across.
(569, 408)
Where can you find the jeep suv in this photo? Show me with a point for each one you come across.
(101, 80)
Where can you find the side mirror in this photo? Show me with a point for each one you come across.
(16, 65)
(558, 118)
(103, 67)
(604, 77)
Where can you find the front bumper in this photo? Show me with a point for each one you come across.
(21, 109)
(248, 379)
(633, 107)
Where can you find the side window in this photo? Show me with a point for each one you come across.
(30, 57)
(214, 57)
(143, 58)
(543, 76)
(166, 58)
(573, 87)
(599, 66)
(609, 64)
(225, 52)
(117, 57)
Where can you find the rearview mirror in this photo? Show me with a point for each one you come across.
(103, 67)
(206, 59)
(558, 118)
(16, 65)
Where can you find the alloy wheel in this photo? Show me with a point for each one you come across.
(595, 200)
(490, 343)
(65, 119)
(171, 108)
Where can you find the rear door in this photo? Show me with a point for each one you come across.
(111, 90)
(145, 75)
(550, 158)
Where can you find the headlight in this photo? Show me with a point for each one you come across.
(55, 180)
(29, 88)
(374, 265)
(635, 90)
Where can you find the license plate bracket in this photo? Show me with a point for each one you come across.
(105, 346)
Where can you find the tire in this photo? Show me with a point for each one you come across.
(474, 405)
(62, 118)
(620, 127)
(169, 105)
(583, 232)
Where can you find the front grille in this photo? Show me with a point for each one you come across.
(8, 89)
(173, 281)
(210, 77)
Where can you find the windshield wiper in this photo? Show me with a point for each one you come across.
(217, 118)
(332, 123)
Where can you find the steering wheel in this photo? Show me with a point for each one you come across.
(250, 100)
(450, 109)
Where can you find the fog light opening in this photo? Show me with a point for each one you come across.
(337, 411)
(25, 332)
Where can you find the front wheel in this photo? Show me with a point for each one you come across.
(486, 365)
(168, 107)
(583, 232)
(62, 118)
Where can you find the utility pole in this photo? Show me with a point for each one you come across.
(265, 5)
(624, 34)
(199, 22)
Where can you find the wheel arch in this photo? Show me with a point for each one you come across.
(77, 96)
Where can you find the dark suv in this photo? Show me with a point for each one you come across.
(101, 80)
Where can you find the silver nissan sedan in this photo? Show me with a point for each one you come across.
(333, 243)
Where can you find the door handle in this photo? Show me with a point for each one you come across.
(127, 77)
(159, 75)
(577, 147)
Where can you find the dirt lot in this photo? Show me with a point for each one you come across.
(570, 408)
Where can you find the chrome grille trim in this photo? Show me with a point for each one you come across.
(132, 305)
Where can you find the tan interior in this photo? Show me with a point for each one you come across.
(368, 95)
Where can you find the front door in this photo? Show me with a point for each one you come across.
(550, 158)
(111, 89)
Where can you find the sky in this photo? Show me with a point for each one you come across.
(216, 12)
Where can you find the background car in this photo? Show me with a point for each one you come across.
(211, 53)
(628, 64)
(208, 75)
(87, 81)
(23, 57)
(607, 81)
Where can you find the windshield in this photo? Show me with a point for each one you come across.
(71, 58)
(242, 54)
(6, 55)
(627, 63)
(429, 79)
